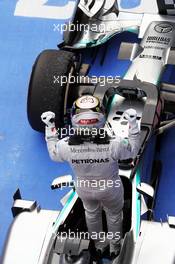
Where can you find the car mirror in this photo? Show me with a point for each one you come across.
(145, 189)
(62, 181)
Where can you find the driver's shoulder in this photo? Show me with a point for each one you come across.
(115, 140)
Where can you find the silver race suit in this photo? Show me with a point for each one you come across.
(97, 181)
(92, 161)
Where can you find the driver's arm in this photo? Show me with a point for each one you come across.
(57, 148)
(127, 148)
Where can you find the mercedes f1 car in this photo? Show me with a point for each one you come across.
(35, 234)
(95, 22)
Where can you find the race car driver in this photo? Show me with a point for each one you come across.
(94, 159)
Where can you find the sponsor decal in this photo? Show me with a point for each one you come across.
(163, 28)
(88, 121)
(150, 57)
(86, 150)
(158, 39)
(86, 102)
(153, 47)
(90, 161)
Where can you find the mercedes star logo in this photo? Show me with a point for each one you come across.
(164, 28)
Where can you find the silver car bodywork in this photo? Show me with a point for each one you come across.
(29, 234)
(95, 22)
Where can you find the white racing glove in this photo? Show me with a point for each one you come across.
(131, 116)
(48, 118)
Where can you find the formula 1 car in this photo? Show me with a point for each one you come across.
(144, 241)
(95, 22)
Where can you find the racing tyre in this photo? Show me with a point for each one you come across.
(46, 93)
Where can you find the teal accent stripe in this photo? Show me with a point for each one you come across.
(138, 203)
(110, 105)
(134, 30)
(60, 216)
(94, 43)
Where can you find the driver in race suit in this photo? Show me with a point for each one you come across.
(94, 160)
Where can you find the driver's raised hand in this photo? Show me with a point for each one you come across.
(48, 118)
